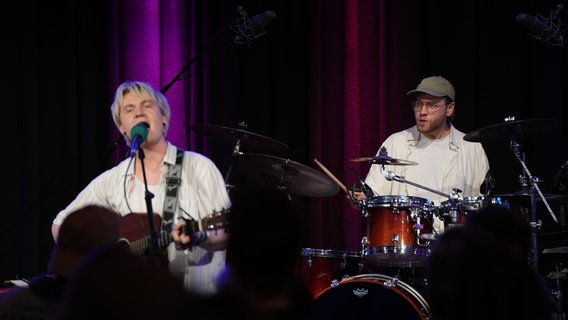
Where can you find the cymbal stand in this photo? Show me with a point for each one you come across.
(282, 184)
(236, 152)
(523, 180)
(534, 189)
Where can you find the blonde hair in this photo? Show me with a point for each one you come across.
(140, 88)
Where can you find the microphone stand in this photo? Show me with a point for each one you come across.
(154, 253)
(192, 60)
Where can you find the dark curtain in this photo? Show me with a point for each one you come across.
(329, 79)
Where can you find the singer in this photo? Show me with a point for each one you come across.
(142, 115)
(445, 160)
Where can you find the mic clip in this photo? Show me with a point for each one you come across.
(390, 176)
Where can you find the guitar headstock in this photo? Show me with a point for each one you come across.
(216, 220)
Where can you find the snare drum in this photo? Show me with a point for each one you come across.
(393, 226)
(323, 267)
(371, 296)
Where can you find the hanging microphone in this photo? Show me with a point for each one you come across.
(365, 187)
(548, 33)
(253, 28)
(138, 134)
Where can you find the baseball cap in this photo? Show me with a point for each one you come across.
(436, 86)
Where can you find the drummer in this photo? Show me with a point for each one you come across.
(445, 160)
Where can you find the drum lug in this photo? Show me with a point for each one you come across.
(365, 211)
(391, 283)
(394, 238)
(365, 246)
(334, 283)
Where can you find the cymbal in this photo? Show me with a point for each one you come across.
(517, 129)
(525, 195)
(245, 138)
(285, 174)
(386, 160)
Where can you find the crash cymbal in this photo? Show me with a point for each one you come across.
(285, 174)
(386, 160)
(512, 129)
(245, 138)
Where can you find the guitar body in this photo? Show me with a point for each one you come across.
(136, 226)
(135, 230)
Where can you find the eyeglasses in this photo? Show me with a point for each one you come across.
(430, 107)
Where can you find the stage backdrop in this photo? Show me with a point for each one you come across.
(328, 79)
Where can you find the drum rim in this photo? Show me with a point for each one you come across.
(423, 308)
(330, 253)
(401, 201)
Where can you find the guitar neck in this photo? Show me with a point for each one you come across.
(142, 246)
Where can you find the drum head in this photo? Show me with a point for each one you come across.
(370, 297)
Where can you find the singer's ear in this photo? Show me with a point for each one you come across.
(163, 124)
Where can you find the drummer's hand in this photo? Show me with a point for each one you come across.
(357, 195)
(354, 197)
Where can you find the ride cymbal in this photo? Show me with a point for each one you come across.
(285, 174)
(243, 137)
(512, 129)
(386, 160)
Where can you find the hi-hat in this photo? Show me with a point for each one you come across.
(512, 129)
(386, 160)
(285, 174)
(243, 137)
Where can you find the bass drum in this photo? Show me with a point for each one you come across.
(371, 296)
(321, 268)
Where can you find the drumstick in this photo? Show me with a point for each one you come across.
(331, 175)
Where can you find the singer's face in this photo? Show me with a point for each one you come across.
(141, 108)
(431, 115)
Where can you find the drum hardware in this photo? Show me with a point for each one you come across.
(558, 275)
(514, 130)
(240, 137)
(391, 283)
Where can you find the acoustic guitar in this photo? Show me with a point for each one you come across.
(136, 236)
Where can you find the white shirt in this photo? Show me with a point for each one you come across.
(202, 192)
(466, 168)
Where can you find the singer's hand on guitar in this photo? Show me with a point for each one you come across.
(216, 239)
(180, 238)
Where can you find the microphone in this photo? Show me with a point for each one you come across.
(541, 30)
(138, 134)
(253, 28)
(366, 189)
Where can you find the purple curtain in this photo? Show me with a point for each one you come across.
(329, 79)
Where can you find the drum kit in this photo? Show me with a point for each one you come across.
(397, 230)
